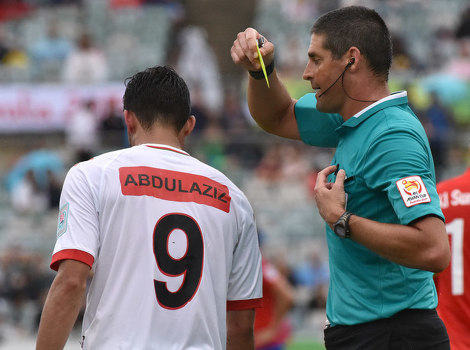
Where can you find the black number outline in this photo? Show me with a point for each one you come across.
(190, 264)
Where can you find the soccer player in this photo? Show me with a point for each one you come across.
(385, 230)
(272, 327)
(453, 284)
(172, 242)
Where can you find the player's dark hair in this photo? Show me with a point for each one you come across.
(360, 27)
(158, 94)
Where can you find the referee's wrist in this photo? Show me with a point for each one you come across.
(259, 75)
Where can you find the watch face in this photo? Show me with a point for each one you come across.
(340, 231)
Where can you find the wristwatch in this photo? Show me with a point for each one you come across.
(341, 226)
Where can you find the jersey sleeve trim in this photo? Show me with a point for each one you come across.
(71, 254)
(244, 304)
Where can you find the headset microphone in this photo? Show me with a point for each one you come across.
(350, 63)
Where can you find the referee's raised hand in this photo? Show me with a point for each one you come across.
(244, 51)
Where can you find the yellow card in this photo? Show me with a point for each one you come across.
(262, 63)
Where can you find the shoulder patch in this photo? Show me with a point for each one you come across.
(62, 220)
(413, 191)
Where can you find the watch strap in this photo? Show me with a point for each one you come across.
(344, 219)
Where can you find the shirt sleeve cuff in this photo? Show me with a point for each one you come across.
(71, 254)
(244, 304)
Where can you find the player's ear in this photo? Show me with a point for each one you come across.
(189, 125)
(131, 121)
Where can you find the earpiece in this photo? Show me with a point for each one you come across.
(350, 63)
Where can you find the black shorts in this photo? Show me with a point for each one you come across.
(409, 329)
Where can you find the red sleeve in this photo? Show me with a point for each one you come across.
(244, 304)
(71, 254)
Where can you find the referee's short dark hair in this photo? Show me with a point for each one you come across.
(158, 95)
(360, 27)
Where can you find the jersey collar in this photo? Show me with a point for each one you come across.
(394, 99)
(165, 148)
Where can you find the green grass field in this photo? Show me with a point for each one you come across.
(305, 345)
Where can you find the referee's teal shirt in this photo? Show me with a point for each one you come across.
(379, 148)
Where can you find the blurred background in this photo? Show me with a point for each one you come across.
(62, 69)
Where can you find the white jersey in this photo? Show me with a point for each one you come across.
(172, 243)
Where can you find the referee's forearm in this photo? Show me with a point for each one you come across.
(269, 106)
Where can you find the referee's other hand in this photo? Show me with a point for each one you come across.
(330, 196)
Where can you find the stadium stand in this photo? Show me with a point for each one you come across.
(132, 35)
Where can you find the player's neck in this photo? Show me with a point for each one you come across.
(159, 136)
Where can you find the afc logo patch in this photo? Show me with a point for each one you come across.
(62, 220)
(413, 191)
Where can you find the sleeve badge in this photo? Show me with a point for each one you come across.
(413, 191)
(62, 220)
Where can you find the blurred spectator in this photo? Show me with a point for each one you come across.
(263, 189)
(198, 65)
(54, 188)
(270, 167)
(115, 4)
(312, 274)
(3, 44)
(199, 109)
(299, 10)
(28, 197)
(12, 55)
(463, 27)
(24, 281)
(272, 326)
(87, 64)
(40, 160)
(82, 132)
(13, 9)
(112, 126)
(272, 323)
(14, 61)
(242, 150)
(55, 2)
(459, 65)
(293, 60)
(438, 124)
(49, 53)
(213, 146)
(281, 173)
(321, 159)
(16, 57)
(402, 60)
(233, 118)
(175, 7)
(443, 48)
(295, 166)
